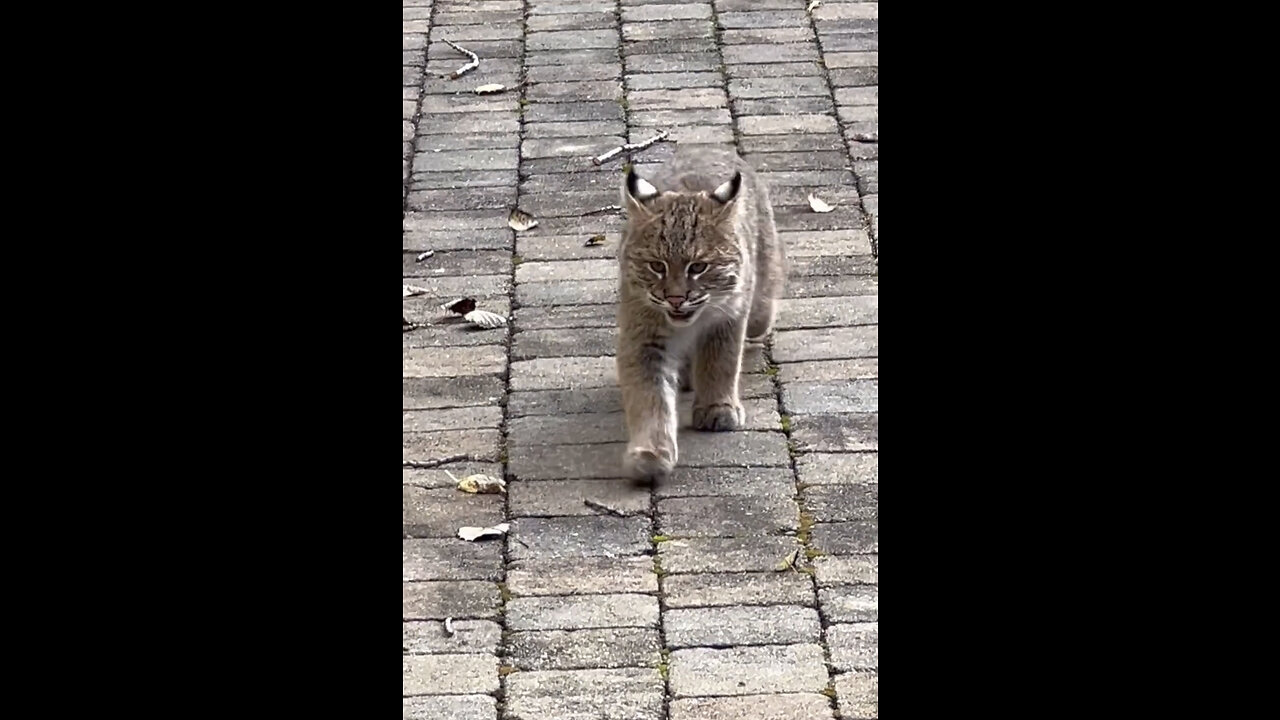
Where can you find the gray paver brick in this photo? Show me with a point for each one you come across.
(456, 599)
(755, 588)
(572, 21)
(850, 603)
(620, 694)
(446, 391)
(476, 444)
(575, 537)
(723, 481)
(763, 53)
(450, 558)
(582, 612)
(832, 570)
(743, 554)
(858, 694)
(652, 81)
(859, 537)
(748, 625)
(481, 637)
(671, 11)
(848, 501)
(854, 646)
(850, 396)
(571, 39)
(584, 649)
(793, 706)
(726, 516)
(826, 344)
(563, 373)
(747, 670)
(849, 432)
(454, 707)
(566, 497)
(582, 576)
(449, 674)
(673, 29)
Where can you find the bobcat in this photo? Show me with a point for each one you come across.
(701, 270)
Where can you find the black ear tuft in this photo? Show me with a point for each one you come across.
(728, 191)
(639, 189)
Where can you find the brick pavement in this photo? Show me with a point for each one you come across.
(674, 607)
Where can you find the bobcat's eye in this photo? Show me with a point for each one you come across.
(658, 266)
(697, 268)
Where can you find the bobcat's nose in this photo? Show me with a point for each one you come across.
(675, 301)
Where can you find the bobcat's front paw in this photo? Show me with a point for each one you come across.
(647, 464)
(718, 417)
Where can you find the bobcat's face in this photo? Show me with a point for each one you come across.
(680, 248)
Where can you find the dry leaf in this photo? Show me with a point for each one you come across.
(813, 6)
(594, 240)
(871, 137)
(818, 205)
(520, 220)
(411, 290)
(789, 562)
(460, 307)
(472, 534)
(485, 319)
(482, 484)
(490, 89)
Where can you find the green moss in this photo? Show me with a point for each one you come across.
(806, 527)
(829, 691)
(793, 448)
(785, 422)
(622, 100)
(811, 553)
(516, 259)
(660, 539)
(771, 370)
(657, 567)
(504, 592)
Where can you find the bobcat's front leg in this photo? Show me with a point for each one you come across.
(715, 378)
(648, 380)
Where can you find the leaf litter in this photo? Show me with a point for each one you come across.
(471, 534)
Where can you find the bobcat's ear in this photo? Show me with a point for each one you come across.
(728, 192)
(636, 191)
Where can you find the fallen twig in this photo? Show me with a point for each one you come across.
(437, 462)
(475, 61)
(873, 137)
(605, 209)
(602, 507)
(424, 255)
(406, 324)
(629, 147)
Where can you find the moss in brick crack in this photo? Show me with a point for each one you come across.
(813, 553)
(785, 422)
(626, 168)
(806, 527)
(664, 665)
(793, 448)
(660, 539)
(657, 567)
(622, 100)
(504, 592)
(516, 259)
(505, 670)
(829, 691)
(771, 370)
